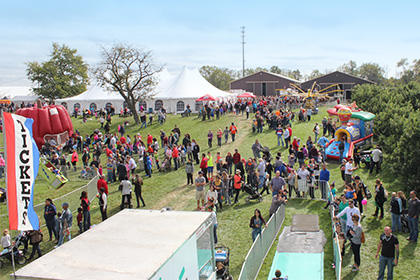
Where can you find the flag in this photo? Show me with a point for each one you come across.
(22, 162)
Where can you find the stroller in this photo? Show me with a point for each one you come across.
(404, 222)
(266, 152)
(166, 165)
(253, 193)
(221, 254)
(19, 256)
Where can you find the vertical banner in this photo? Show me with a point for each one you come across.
(22, 162)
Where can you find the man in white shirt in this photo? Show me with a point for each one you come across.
(286, 137)
(126, 193)
(349, 171)
(316, 131)
(350, 211)
(376, 158)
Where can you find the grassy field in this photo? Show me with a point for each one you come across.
(170, 190)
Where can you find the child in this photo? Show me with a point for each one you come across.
(100, 170)
(80, 219)
(83, 173)
(189, 169)
(341, 241)
(266, 184)
(57, 226)
(278, 275)
(6, 241)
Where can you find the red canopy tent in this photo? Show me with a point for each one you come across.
(246, 95)
(207, 97)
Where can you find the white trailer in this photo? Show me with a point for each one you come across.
(134, 244)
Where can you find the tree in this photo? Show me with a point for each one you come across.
(372, 72)
(219, 77)
(315, 74)
(64, 75)
(349, 68)
(129, 71)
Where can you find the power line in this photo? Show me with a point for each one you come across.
(243, 50)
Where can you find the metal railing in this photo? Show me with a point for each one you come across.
(314, 189)
(262, 244)
(336, 245)
(72, 198)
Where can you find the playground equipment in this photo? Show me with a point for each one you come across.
(51, 174)
(313, 93)
(356, 129)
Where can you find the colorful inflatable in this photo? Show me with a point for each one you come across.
(356, 128)
(49, 122)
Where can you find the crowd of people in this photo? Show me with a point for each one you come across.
(222, 177)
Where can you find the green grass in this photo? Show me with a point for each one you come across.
(169, 189)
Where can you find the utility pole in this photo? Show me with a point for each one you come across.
(243, 50)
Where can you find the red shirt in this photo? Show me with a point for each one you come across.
(102, 184)
(175, 153)
(236, 158)
(203, 163)
(295, 145)
(149, 139)
(123, 140)
(237, 181)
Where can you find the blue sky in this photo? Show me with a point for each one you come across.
(304, 35)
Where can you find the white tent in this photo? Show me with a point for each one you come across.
(174, 92)
(96, 97)
(13, 91)
(177, 92)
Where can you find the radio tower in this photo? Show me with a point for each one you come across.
(243, 50)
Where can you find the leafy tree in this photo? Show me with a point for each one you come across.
(64, 75)
(349, 68)
(372, 72)
(129, 71)
(314, 74)
(396, 126)
(219, 77)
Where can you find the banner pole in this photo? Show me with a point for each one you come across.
(7, 188)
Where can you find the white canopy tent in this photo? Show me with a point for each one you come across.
(96, 97)
(173, 92)
(182, 90)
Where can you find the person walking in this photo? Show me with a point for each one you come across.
(200, 182)
(324, 177)
(210, 139)
(233, 130)
(138, 183)
(389, 254)
(376, 159)
(85, 204)
(256, 223)
(65, 223)
(35, 237)
(396, 210)
(379, 198)
(341, 148)
(103, 198)
(413, 216)
(50, 212)
(356, 241)
(125, 188)
(237, 184)
(279, 133)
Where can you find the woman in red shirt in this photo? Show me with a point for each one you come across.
(204, 166)
(237, 184)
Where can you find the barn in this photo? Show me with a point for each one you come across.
(345, 81)
(263, 83)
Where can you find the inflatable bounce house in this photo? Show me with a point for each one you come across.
(356, 128)
(50, 122)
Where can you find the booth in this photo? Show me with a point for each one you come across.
(134, 244)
